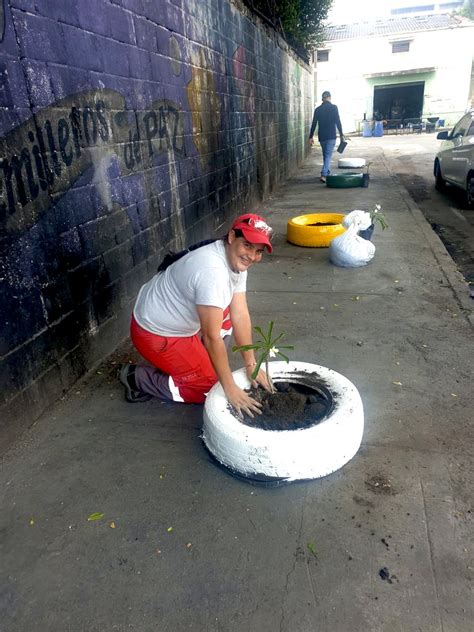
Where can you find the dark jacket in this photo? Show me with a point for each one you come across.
(326, 117)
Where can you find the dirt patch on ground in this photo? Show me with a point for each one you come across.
(415, 185)
(363, 502)
(380, 484)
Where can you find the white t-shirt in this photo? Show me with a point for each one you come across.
(166, 305)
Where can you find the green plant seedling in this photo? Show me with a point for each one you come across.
(376, 215)
(266, 347)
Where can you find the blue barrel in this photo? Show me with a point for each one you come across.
(378, 128)
(366, 129)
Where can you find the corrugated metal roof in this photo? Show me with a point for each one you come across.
(391, 26)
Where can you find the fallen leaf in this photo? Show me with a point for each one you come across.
(322, 308)
(454, 394)
(356, 298)
(95, 516)
(397, 383)
(189, 545)
(32, 522)
(112, 525)
(169, 529)
(312, 547)
(335, 305)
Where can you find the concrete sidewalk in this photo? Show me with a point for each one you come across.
(183, 545)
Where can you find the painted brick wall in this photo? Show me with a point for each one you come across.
(127, 127)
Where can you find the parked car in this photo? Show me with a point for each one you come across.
(454, 162)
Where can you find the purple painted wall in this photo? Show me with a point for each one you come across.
(127, 127)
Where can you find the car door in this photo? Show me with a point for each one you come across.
(459, 155)
(444, 153)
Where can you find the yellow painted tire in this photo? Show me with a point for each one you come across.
(301, 233)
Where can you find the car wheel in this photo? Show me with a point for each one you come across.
(470, 190)
(440, 183)
(286, 455)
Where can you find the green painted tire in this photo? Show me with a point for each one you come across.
(345, 180)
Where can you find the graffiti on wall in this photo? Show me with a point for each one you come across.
(244, 81)
(46, 154)
(205, 107)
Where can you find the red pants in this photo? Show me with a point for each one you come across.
(184, 361)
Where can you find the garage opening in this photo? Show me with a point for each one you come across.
(402, 102)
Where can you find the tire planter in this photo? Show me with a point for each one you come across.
(281, 456)
(345, 180)
(301, 232)
(351, 163)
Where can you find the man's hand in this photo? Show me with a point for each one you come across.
(261, 378)
(241, 401)
(311, 141)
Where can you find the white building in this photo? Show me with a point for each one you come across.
(350, 11)
(398, 68)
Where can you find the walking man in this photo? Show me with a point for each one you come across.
(326, 117)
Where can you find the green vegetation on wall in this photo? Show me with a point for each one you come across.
(299, 21)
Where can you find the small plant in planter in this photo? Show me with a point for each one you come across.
(376, 216)
(290, 404)
(267, 349)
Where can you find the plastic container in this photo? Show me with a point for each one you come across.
(366, 129)
(378, 128)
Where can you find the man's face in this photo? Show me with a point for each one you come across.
(241, 254)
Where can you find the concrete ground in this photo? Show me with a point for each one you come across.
(182, 545)
(411, 160)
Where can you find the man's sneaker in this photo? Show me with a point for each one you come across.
(127, 378)
(322, 179)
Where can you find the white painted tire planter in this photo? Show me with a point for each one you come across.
(351, 163)
(286, 455)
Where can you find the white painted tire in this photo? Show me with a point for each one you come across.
(286, 455)
(351, 163)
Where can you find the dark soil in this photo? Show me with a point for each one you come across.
(293, 406)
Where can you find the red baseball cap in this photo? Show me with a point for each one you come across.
(255, 229)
